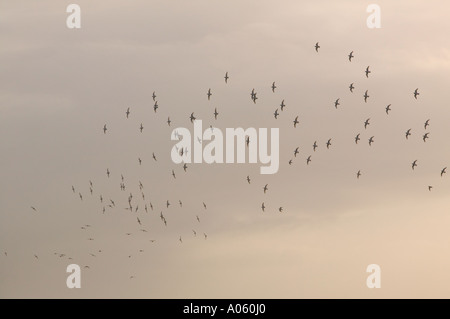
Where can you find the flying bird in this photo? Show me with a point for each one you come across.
(282, 105)
(328, 143)
(357, 138)
(408, 133)
(215, 113)
(248, 179)
(358, 174)
(427, 123)
(273, 87)
(366, 96)
(265, 188)
(336, 103)
(414, 164)
(253, 95)
(296, 121)
(275, 114)
(154, 96)
(168, 121)
(308, 160)
(317, 46)
(371, 140)
(104, 129)
(351, 87)
(443, 171)
(388, 108)
(226, 77)
(209, 94)
(315, 146)
(366, 123)
(296, 152)
(141, 128)
(367, 72)
(350, 56)
(127, 112)
(416, 93)
(425, 136)
(192, 117)
(263, 207)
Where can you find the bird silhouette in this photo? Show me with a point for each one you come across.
(336, 103)
(275, 114)
(317, 47)
(388, 108)
(367, 72)
(408, 133)
(366, 96)
(209, 94)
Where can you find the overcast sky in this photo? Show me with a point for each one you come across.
(60, 86)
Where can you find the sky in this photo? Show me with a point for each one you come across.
(60, 86)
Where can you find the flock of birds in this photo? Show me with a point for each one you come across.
(138, 202)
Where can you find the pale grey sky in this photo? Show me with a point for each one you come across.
(59, 86)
